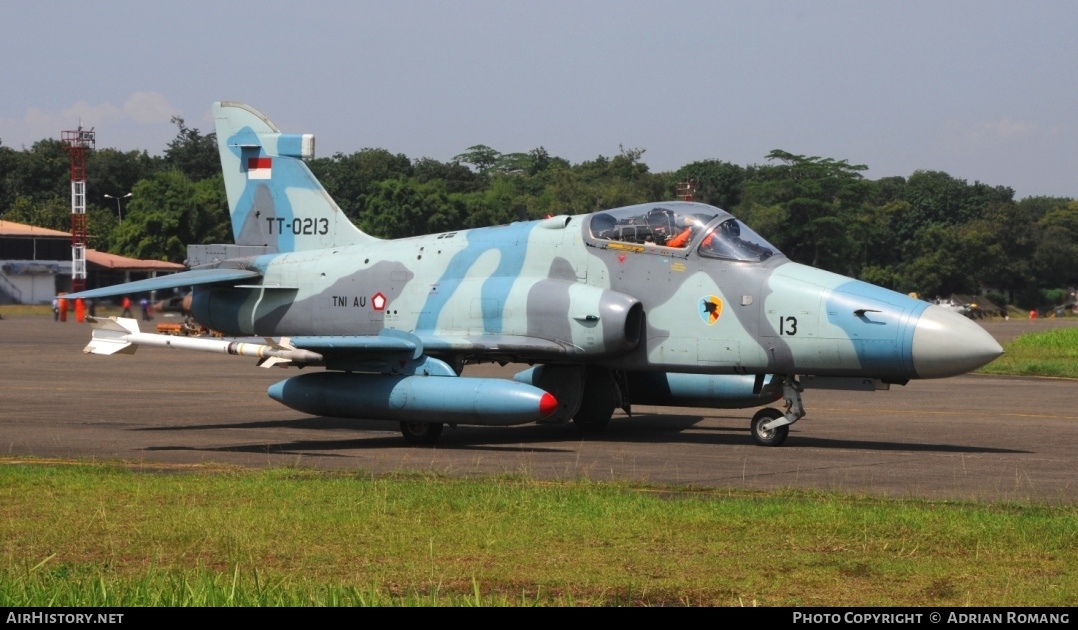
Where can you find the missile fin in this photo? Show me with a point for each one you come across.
(109, 336)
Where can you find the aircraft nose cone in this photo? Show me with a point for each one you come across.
(948, 344)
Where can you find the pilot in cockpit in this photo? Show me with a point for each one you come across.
(691, 224)
(727, 241)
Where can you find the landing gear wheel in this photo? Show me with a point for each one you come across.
(765, 437)
(598, 403)
(424, 433)
(592, 423)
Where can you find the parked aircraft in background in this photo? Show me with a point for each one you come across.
(668, 303)
(176, 303)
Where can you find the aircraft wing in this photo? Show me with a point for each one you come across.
(392, 343)
(370, 346)
(499, 344)
(171, 281)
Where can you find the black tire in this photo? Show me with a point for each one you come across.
(589, 423)
(421, 433)
(774, 437)
(598, 403)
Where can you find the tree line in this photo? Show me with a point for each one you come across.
(929, 233)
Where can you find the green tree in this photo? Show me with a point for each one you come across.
(769, 221)
(564, 192)
(168, 212)
(1055, 259)
(53, 213)
(9, 158)
(939, 263)
(351, 178)
(628, 164)
(514, 164)
(1036, 207)
(1000, 246)
(399, 208)
(887, 190)
(541, 170)
(115, 173)
(192, 153)
(41, 172)
(821, 199)
(937, 198)
(457, 177)
(717, 183)
(873, 239)
(482, 157)
(499, 204)
(542, 161)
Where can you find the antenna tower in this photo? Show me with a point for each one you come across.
(78, 143)
(686, 190)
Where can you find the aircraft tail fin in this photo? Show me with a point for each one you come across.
(273, 197)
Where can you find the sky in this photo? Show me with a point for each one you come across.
(983, 90)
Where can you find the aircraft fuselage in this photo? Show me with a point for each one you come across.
(633, 307)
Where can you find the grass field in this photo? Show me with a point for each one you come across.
(109, 536)
(1050, 353)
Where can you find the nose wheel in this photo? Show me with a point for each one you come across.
(770, 426)
(768, 437)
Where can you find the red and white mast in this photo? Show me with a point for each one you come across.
(78, 143)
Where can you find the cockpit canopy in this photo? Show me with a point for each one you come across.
(677, 226)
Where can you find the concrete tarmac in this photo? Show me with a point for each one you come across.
(966, 438)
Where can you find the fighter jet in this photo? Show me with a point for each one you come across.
(668, 303)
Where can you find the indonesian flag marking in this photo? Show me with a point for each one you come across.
(379, 301)
(259, 168)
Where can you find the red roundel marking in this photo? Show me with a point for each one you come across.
(547, 405)
(379, 301)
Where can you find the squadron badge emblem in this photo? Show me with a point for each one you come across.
(710, 308)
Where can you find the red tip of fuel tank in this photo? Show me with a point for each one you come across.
(548, 405)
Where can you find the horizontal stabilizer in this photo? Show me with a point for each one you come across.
(171, 281)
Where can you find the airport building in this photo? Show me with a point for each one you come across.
(35, 265)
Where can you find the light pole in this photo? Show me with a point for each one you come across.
(118, 210)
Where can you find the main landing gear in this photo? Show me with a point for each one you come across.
(421, 433)
(769, 426)
(600, 398)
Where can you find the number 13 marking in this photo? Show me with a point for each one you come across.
(787, 326)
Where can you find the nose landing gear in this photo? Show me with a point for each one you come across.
(769, 426)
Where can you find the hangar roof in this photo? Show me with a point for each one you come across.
(115, 261)
(93, 257)
(10, 228)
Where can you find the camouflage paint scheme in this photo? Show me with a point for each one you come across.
(599, 300)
